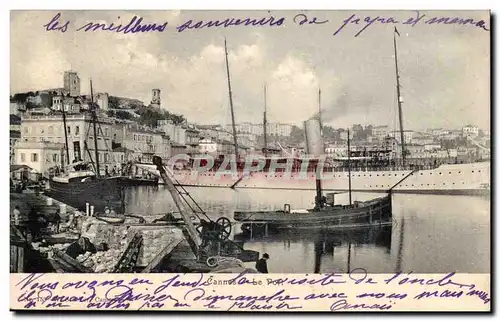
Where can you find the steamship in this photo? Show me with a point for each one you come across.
(366, 173)
(79, 184)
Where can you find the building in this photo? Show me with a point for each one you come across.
(357, 130)
(470, 130)
(143, 142)
(415, 150)
(79, 130)
(380, 132)
(243, 128)
(39, 155)
(192, 140)
(72, 83)
(432, 146)
(277, 129)
(273, 129)
(102, 100)
(423, 140)
(70, 104)
(122, 155)
(207, 146)
(17, 108)
(247, 139)
(336, 150)
(343, 135)
(156, 100)
(438, 132)
(215, 132)
(14, 137)
(176, 133)
(407, 134)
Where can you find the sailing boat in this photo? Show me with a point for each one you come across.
(79, 184)
(326, 214)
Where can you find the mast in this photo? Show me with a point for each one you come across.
(265, 121)
(94, 120)
(231, 102)
(65, 133)
(400, 110)
(349, 163)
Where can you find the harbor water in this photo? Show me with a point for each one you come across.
(429, 234)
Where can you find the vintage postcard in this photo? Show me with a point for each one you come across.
(250, 160)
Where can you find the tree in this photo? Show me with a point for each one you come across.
(123, 114)
(296, 136)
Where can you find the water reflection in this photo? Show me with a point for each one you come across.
(431, 233)
(326, 244)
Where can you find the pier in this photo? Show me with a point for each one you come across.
(86, 242)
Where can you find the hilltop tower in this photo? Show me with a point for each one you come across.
(156, 100)
(72, 83)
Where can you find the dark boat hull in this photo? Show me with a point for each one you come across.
(374, 213)
(128, 181)
(98, 193)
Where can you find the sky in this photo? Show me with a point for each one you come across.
(444, 69)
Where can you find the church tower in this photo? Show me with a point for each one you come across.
(156, 100)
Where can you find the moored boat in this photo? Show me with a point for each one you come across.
(326, 214)
(376, 212)
(79, 184)
(79, 187)
(138, 181)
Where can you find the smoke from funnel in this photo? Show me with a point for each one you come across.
(344, 104)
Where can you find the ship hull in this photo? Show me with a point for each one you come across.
(377, 212)
(128, 181)
(460, 179)
(98, 193)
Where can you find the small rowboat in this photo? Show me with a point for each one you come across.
(111, 219)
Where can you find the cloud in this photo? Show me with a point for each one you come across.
(444, 74)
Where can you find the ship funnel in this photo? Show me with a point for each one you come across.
(314, 140)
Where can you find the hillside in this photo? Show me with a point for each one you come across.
(116, 102)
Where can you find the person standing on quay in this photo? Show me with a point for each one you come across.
(261, 264)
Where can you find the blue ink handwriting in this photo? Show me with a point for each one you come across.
(444, 281)
(344, 305)
(326, 279)
(199, 294)
(230, 22)
(53, 24)
(302, 19)
(134, 26)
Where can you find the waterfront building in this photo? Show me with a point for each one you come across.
(79, 128)
(122, 155)
(38, 155)
(177, 133)
(207, 146)
(192, 140)
(144, 142)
